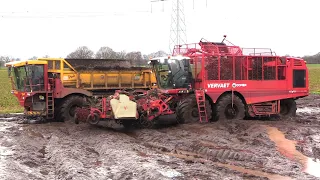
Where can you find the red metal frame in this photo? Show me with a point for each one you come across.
(150, 107)
(256, 77)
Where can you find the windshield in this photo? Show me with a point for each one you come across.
(172, 73)
(162, 73)
(28, 78)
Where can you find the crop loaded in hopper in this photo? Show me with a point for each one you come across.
(102, 64)
(207, 81)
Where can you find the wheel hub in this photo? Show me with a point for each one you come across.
(231, 111)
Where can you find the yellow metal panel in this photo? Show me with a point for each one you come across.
(23, 63)
(108, 79)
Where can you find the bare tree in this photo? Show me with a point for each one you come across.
(315, 59)
(82, 52)
(136, 58)
(5, 58)
(33, 58)
(158, 54)
(106, 53)
(121, 55)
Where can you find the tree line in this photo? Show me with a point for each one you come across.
(315, 59)
(136, 57)
(139, 59)
(83, 52)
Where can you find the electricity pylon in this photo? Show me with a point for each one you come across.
(178, 29)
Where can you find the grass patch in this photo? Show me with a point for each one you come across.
(313, 66)
(314, 78)
(8, 102)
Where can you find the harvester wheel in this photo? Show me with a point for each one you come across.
(288, 108)
(187, 110)
(93, 119)
(66, 108)
(225, 109)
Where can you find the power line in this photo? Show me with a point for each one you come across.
(158, 1)
(65, 14)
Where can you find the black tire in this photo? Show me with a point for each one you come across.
(288, 108)
(226, 111)
(187, 110)
(93, 119)
(65, 109)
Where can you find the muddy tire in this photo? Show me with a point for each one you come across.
(225, 110)
(288, 108)
(187, 110)
(65, 110)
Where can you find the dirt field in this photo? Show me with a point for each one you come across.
(248, 149)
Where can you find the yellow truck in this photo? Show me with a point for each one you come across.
(53, 87)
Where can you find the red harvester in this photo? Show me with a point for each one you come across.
(208, 81)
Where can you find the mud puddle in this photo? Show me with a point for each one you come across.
(309, 110)
(288, 148)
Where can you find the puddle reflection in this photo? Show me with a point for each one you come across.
(288, 148)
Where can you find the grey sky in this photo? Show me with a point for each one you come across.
(56, 28)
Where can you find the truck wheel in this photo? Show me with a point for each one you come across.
(187, 110)
(66, 109)
(288, 108)
(225, 110)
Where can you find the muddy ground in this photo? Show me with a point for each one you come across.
(248, 149)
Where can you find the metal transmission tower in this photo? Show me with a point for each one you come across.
(178, 29)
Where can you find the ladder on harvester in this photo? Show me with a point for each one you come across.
(50, 105)
(201, 101)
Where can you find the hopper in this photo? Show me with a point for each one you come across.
(103, 64)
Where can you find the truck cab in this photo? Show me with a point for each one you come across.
(27, 76)
(29, 84)
(173, 72)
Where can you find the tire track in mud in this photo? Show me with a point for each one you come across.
(100, 153)
(204, 143)
(206, 151)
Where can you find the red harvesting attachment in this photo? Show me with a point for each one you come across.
(207, 48)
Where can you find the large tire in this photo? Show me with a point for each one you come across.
(187, 110)
(226, 111)
(65, 110)
(288, 108)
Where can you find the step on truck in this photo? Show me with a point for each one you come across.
(53, 87)
(208, 81)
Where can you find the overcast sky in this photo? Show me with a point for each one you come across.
(57, 27)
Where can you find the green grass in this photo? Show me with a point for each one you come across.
(314, 78)
(8, 102)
